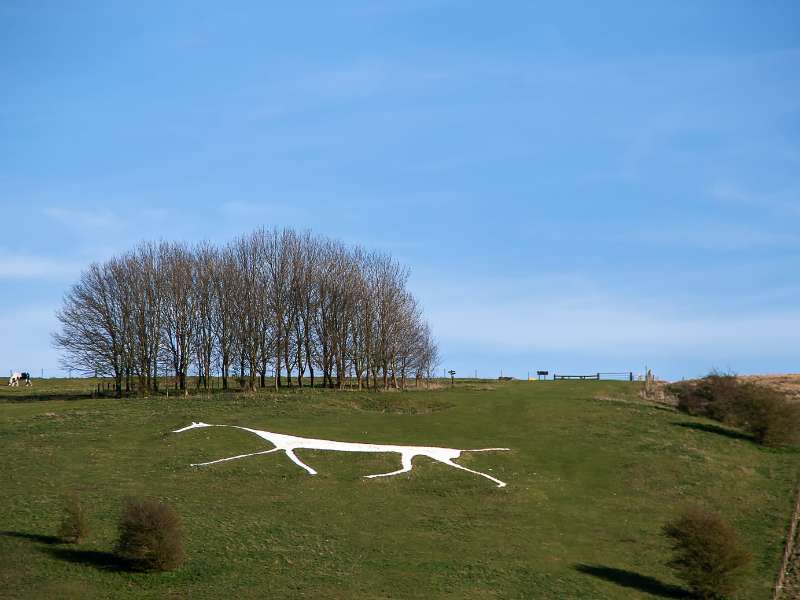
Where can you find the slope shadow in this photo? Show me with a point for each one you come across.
(47, 396)
(710, 428)
(630, 579)
(49, 544)
(103, 561)
(34, 537)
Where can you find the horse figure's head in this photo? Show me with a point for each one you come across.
(192, 426)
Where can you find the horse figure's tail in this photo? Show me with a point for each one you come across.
(484, 449)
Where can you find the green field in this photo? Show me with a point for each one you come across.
(592, 475)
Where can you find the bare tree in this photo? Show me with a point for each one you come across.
(91, 335)
(206, 265)
(249, 296)
(306, 298)
(292, 302)
(223, 311)
(143, 272)
(179, 323)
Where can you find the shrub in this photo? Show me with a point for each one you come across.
(74, 522)
(708, 554)
(712, 396)
(766, 413)
(769, 416)
(150, 535)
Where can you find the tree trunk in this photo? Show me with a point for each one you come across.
(288, 362)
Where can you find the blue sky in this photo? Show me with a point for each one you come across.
(580, 187)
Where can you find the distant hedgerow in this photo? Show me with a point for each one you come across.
(150, 535)
(74, 522)
(764, 412)
(708, 553)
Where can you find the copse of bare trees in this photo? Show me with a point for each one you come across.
(274, 307)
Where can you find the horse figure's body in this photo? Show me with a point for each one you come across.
(290, 443)
(15, 378)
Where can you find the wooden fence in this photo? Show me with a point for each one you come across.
(788, 549)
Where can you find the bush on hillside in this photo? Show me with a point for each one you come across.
(150, 535)
(74, 522)
(712, 396)
(708, 553)
(764, 412)
(769, 416)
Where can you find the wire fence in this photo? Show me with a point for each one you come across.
(608, 376)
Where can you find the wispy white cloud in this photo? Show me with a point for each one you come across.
(692, 234)
(390, 7)
(784, 203)
(27, 340)
(563, 315)
(369, 76)
(523, 327)
(88, 219)
(276, 212)
(25, 266)
(345, 81)
(95, 234)
(154, 214)
(718, 237)
(81, 218)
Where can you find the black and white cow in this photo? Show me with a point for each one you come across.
(15, 378)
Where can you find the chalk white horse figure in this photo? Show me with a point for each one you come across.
(290, 443)
(15, 378)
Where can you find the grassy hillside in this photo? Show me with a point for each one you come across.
(592, 476)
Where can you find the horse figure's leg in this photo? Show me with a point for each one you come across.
(450, 463)
(290, 453)
(234, 457)
(405, 460)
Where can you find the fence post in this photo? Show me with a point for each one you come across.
(788, 549)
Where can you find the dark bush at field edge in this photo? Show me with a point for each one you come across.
(763, 412)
